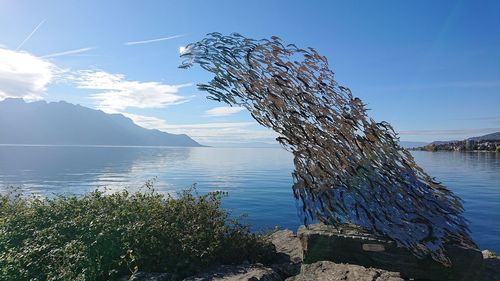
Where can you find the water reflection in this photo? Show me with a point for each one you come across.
(258, 180)
(52, 169)
(475, 177)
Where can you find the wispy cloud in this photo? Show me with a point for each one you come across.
(24, 75)
(154, 40)
(70, 52)
(148, 122)
(117, 93)
(454, 132)
(217, 132)
(439, 85)
(458, 84)
(31, 34)
(225, 125)
(223, 111)
(484, 118)
(228, 132)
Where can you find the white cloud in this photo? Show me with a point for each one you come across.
(485, 118)
(455, 132)
(117, 93)
(69, 52)
(23, 75)
(148, 122)
(228, 132)
(222, 132)
(154, 40)
(223, 111)
(221, 125)
(438, 86)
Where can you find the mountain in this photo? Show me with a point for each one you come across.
(62, 123)
(488, 137)
(489, 142)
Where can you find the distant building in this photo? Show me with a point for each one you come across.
(469, 145)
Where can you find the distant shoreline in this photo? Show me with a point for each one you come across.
(454, 151)
(98, 145)
(132, 146)
(486, 143)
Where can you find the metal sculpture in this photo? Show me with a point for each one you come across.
(348, 167)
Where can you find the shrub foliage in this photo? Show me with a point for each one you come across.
(102, 236)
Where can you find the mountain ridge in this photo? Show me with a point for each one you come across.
(63, 123)
(491, 137)
(488, 142)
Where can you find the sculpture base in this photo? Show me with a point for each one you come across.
(351, 244)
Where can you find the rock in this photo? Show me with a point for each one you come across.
(329, 271)
(144, 276)
(286, 242)
(289, 253)
(491, 267)
(253, 272)
(351, 244)
(487, 254)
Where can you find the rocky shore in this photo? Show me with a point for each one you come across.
(320, 252)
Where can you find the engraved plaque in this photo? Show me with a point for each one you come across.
(373, 247)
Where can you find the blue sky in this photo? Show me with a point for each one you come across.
(430, 68)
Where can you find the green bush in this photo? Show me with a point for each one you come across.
(102, 236)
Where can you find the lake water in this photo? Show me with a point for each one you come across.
(258, 180)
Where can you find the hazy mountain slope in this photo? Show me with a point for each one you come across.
(64, 123)
(488, 137)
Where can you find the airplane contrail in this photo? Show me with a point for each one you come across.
(69, 52)
(31, 34)
(154, 40)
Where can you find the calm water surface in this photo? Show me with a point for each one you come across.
(258, 179)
